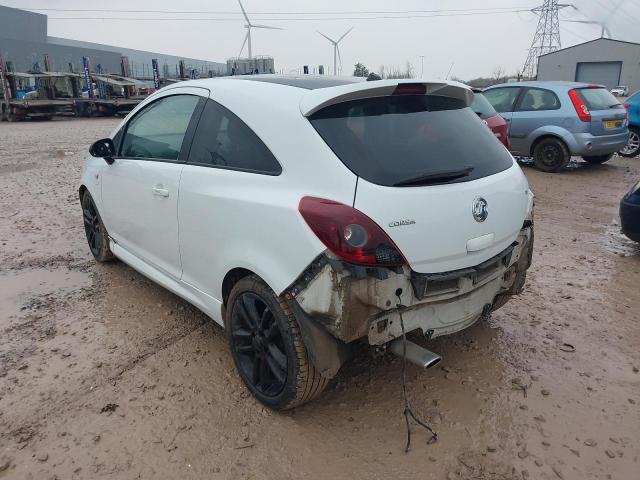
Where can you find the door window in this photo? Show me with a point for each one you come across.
(537, 99)
(502, 99)
(223, 140)
(158, 130)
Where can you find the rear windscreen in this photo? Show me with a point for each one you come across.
(391, 140)
(482, 107)
(599, 98)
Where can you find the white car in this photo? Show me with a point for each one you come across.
(620, 91)
(303, 214)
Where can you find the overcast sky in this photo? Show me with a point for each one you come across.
(474, 44)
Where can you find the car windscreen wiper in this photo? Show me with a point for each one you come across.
(433, 178)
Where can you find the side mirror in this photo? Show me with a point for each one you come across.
(104, 148)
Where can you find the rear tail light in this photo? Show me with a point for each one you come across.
(626, 106)
(350, 234)
(581, 107)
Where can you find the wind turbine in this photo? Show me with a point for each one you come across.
(336, 50)
(249, 26)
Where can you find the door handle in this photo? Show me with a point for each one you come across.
(161, 192)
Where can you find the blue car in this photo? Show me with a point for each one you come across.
(630, 213)
(551, 121)
(632, 149)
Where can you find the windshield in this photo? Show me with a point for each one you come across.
(390, 140)
(482, 107)
(599, 98)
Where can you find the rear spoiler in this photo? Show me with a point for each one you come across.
(323, 97)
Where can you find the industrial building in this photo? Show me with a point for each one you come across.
(249, 66)
(603, 61)
(24, 42)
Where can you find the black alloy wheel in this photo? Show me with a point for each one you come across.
(94, 229)
(267, 346)
(258, 344)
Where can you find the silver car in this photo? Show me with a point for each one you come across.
(551, 121)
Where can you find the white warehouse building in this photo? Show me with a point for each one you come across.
(603, 61)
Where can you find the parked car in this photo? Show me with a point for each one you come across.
(303, 214)
(632, 148)
(493, 119)
(620, 91)
(551, 121)
(630, 213)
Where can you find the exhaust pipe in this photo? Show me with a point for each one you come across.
(415, 353)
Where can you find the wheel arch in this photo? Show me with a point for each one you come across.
(232, 277)
(545, 136)
(326, 352)
(81, 191)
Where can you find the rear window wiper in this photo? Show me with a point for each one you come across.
(615, 105)
(435, 177)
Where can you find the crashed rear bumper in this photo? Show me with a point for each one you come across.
(353, 302)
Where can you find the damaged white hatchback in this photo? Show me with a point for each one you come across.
(306, 213)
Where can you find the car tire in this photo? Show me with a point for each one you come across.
(597, 159)
(551, 155)
(632, 149)
(267, 347)
(95, 231)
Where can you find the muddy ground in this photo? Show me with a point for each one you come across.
(104, 374)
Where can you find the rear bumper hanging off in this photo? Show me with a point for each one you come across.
(353, 302)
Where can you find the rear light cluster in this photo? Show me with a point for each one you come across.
(627, 106)
(350, 234)
(579, 104)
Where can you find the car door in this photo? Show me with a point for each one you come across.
(503, 100)
(140, 189)
(535, 108)
(228, 195)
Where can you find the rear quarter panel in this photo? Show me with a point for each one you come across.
(246, 220)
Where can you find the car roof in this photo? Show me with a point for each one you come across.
(308, 82)
(309, 93)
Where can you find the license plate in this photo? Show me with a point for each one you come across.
(609, 124)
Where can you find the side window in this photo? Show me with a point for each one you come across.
(536, 99)
(157, 131)
(223, 140)
(502, 99)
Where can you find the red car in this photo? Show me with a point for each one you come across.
(493, 119)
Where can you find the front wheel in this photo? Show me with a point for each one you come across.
(267, 347)
(551, 155)
(632, 148)
(96, 233)
(597, 159)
